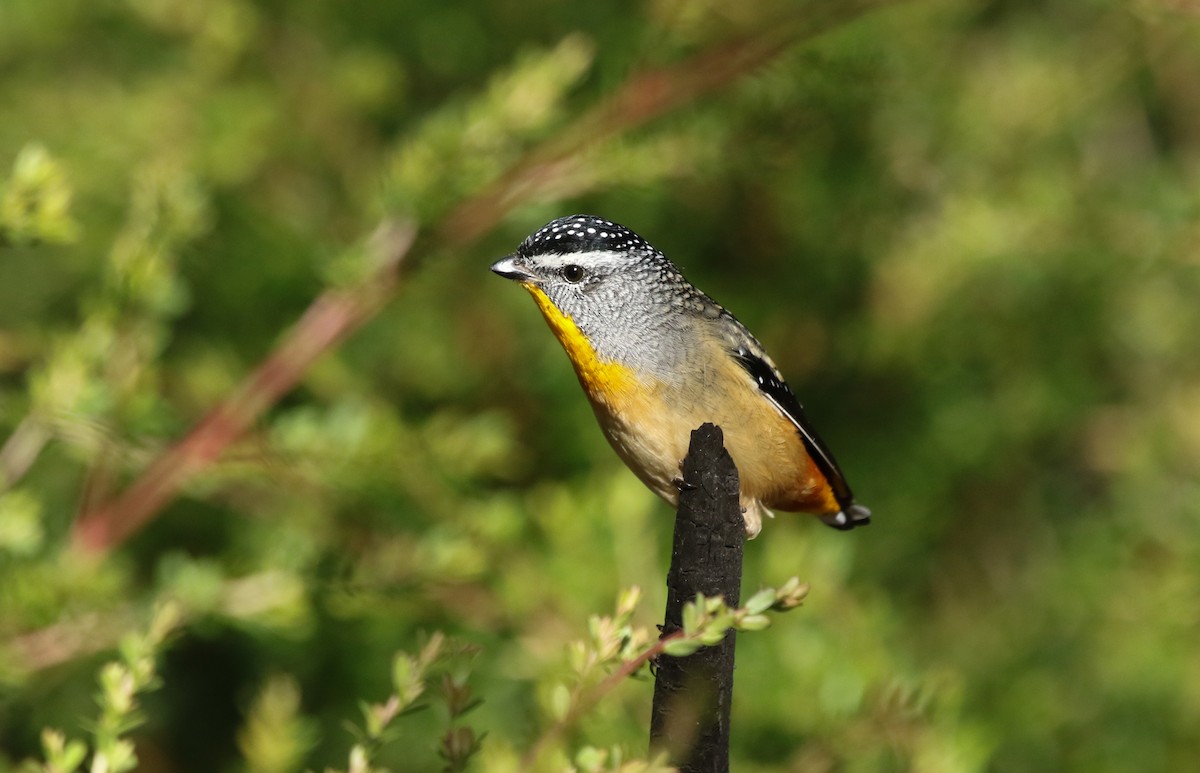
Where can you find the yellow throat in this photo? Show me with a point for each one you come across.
(602, 379)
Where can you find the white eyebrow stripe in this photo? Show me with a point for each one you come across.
(592, 257)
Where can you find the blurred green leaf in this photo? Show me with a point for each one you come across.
(35, 201)
(966, 233)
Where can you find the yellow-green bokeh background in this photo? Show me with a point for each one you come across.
(967, 231)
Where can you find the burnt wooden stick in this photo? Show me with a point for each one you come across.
(692, 694)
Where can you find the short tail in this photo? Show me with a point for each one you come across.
(848, 517)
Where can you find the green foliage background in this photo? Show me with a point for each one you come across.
(967, 231)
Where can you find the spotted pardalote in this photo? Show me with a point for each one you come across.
(657, 358)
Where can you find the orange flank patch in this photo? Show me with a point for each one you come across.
(822, 501)
(777, 469)
(603, 380)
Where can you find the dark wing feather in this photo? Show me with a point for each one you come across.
(775, 389)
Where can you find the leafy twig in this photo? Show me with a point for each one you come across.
(121, 682)
(705, 622)
(409, 676)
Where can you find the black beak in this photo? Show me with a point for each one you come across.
(511, 268)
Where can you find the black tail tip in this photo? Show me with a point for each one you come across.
(848, 518)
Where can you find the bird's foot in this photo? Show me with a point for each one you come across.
(682, 485)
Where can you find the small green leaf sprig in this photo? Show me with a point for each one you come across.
(411, 678)
(618, 648)
(706, 620)
(121, 682)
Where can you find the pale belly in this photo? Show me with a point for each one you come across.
(651, 431)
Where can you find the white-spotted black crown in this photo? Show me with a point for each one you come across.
(582, 233)
(588, 233)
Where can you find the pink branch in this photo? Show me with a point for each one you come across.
(331, 317)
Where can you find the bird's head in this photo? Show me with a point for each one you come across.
(585, 265)
(620, 294)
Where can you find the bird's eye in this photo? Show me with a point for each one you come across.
(573, 273)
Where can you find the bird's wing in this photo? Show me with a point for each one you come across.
(750, 356)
